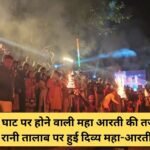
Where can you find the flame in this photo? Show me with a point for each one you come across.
(119, 79)
(146, 93)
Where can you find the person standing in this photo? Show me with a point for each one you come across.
(30, 85)
(6, 84)
(38, 77)
(21, 77)
(43, 94)
(55, 94)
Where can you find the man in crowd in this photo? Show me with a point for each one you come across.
(6, 84)
(112, 97)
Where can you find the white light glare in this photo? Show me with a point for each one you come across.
(68, 59)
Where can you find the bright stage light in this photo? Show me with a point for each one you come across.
(56, 66)
(68, 59)
(94, 76)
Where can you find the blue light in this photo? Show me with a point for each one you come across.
(56, 66)
(124, 52)
(121, 53)
(135, 89)
(89, 59)
(104, 56)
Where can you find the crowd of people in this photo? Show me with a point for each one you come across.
(28, 88)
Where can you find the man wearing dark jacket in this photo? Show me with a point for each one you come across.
(6, 84)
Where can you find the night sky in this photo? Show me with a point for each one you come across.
(141, 12)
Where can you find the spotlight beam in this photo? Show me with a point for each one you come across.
(25, 48)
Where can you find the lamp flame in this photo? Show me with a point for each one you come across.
(119, 79)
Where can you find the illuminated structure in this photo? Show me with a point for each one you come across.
(71, 82)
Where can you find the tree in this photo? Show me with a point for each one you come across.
(101, 15)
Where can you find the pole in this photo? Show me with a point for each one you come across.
(78, 53)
